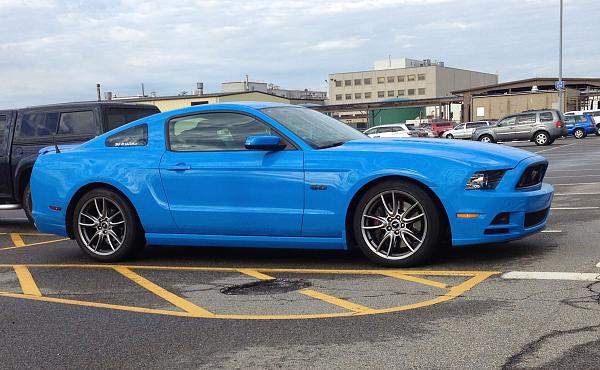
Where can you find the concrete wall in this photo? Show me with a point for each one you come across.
(496, 107)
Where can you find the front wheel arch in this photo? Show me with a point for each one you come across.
(446, 231)
(93, 186)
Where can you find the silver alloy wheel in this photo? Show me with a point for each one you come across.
(394, 225)
(485, 139)
(541, 138)
(101, 226)
(578, 133)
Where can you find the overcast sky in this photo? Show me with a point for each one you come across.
(57, 50)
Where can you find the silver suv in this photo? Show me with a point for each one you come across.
(539, 126)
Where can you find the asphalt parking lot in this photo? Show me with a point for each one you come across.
(529, 304)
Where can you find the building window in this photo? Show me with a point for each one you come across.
(411, 77)
(411, 92)
(390, 92)
(421, 76)
(357, 96)
(422, 91)
(367, 81)
(400, 78)
(338, 83)
(348, 96)
(400, 92)
(338, 97)
(390, 79)
(380, 80)
(381, 94)
(367, 95)
(348, 83)
(358, 81)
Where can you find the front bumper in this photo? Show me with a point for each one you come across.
(524, 211)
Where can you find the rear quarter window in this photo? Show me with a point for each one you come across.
(546, 117)
(135, 136)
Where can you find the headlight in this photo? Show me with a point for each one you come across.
(485, 180)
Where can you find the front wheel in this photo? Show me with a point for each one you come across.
(486, 139)
(106, 227)
(396, 224)
(597, 130)
(449, 136)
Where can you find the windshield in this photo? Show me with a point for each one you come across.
(316, 129)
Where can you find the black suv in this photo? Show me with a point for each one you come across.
(23, 132)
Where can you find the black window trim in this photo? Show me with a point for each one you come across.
(126, 129)
(287, 140)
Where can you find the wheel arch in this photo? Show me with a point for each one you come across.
(537, 131)
(84, 189)
(444, 220)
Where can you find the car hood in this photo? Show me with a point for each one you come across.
(491, 156)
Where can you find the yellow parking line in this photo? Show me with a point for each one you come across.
(256, 274)
(335, 301)
(183, 304)
(17, 240)
(414, 279)
(26, 280)
(34, 244)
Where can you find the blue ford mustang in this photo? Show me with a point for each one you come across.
(282, 176)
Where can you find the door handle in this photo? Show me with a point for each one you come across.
(179, 167)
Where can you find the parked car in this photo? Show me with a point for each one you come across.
(420, 131)
(580, 125)
(23, 132)
(439, 127)
(595, 113)
(540, 126)
(465, 130)
(391, 130)
(281, 176)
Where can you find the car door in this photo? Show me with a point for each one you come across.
(215, 186)
(460, 132)
(524, 126)
(505, 130)
(5, 184)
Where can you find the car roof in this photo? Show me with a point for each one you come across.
(390, 125)
(90, 104)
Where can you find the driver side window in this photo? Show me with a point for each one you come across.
(212, 132)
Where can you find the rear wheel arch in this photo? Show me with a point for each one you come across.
(443, 215)
(83, 190)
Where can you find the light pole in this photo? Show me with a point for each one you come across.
(560, 42)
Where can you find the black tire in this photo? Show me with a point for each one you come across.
(541, 138)
(597, 130)
(429, 222)
(579, 133)
(486, 138)
(132, 233)
(26, 202)
(449, 136)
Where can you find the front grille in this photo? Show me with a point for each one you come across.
(535, 218)
(532, 176)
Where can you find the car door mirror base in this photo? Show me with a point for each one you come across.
(264, 142)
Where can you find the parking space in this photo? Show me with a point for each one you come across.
(534, 300)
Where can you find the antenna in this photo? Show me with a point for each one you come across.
(54, 142)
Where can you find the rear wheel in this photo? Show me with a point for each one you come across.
(26, 202)
(541, 138)
(396, 224)
(106, 227)
(579, 133)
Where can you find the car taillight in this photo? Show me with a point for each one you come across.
(559, 124)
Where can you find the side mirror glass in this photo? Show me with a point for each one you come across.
(264, 142)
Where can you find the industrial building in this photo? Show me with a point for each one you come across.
(403, 79)
(269, 88)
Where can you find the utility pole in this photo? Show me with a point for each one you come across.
(560, 47)
(98, 92)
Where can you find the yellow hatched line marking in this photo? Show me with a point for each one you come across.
(175, 300)
(312, 293)
(34, 244)
(26, 280)
(414, 279)
(17, 240)
(256, 274)
(335, 301)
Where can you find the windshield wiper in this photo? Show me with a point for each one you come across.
(332, 145)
